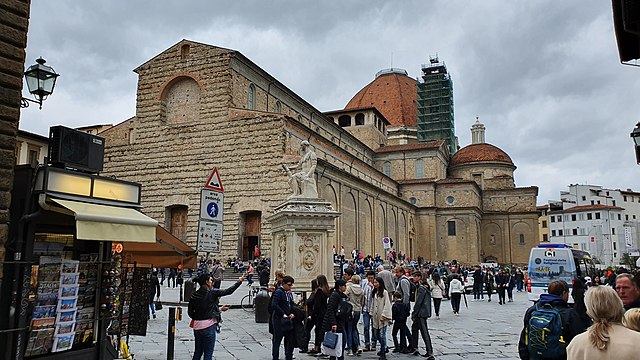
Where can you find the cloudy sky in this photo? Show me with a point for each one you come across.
(543, 76)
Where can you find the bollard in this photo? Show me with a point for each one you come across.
(172, 333)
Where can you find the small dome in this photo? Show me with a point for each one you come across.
(480, 153)
(393, 93)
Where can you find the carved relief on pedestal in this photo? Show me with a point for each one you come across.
(309, 250)
(282, 246)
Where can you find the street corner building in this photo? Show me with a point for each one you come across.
(385, 162)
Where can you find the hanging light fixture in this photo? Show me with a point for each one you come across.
(41, 79)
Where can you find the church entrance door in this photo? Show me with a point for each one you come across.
(250, 233)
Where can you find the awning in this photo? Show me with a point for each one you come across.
(167, 251)
(110, 223)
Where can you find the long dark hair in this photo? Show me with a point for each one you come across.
(436, 277)
(323, 284)
(380, 290)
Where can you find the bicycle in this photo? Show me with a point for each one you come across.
(247, 303)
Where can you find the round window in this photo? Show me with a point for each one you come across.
(450, 200)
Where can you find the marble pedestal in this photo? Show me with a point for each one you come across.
(303, 231)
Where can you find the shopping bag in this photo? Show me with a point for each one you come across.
(158, 305)
(338, 349)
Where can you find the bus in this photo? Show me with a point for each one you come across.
(550, 262)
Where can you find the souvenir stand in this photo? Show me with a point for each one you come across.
(63, 293)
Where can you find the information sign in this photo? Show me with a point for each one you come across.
(209, 236)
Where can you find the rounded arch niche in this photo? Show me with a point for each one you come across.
(180, 99)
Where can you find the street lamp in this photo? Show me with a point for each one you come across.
(41, 79)
(635, 134)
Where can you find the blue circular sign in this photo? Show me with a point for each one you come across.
(212, 210)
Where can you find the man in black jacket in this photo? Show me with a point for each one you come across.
(205, 315)
(421, 312)
(282, 319)
(558, 294)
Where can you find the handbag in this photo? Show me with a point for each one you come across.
(345, 310)
(286, 324)
(158, 305)
(335, 339)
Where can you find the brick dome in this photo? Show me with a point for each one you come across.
(393, 93)
(480, 153)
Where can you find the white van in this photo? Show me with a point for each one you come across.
(550, 262)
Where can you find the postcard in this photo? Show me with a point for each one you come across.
(43, 323)
(40, 312)
(69, 291)
(70, 266)
(69, 279)
(66, 316)
(63, 342)
(65, 328)
(67, 304)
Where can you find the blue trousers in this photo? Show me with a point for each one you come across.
(353, 337)
(379, 335)
(205, 343)
(366, 321)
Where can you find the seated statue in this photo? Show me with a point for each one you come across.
(303, 182)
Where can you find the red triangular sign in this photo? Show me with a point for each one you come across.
(214, 182)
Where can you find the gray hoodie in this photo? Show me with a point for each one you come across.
(356, 296)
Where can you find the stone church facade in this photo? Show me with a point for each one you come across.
(201, 106)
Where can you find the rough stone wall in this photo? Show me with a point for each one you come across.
(14, 23)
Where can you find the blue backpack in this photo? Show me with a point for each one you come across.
(544, 333)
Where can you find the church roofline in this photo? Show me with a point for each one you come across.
(137, 69)
(435, 144)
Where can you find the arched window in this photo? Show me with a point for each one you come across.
(344, 120)
(419, 169)
(181, 101)
(184, 51)
(278, 107)
(359, 119)
(387, 168)
(251, 97)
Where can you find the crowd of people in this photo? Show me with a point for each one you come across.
(383, 296)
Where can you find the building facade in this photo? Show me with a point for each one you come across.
(31, 148)
(201, 106)
(600, 220)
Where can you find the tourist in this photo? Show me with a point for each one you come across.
(355, 294)
(628, 290)
(404, 288)
(282, 319)
(332, 322)
(632, 319)
(319, 310)
(205, 315)
(154, 289)
(367, 288)
(455, 293)
(607, 338)
(380, 316)
(421, 312)
(437, 289)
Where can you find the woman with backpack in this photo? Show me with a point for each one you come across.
(437, 288)
(333, 321)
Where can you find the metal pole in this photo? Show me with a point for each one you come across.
(172, 333)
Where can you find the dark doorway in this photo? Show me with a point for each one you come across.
(250, 233)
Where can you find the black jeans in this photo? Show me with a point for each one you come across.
(501, 294)
(436, 305)
(405, 335)
(477, 290)
(455, 302)
(420, 324)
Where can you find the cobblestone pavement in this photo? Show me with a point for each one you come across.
(485, 331)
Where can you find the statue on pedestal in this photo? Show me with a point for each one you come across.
(303, 182)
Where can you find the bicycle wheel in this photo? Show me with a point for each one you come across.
(247, 303)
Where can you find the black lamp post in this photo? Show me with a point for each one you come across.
(41, 79)
(635, 134)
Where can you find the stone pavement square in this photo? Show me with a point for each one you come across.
(486, 330)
